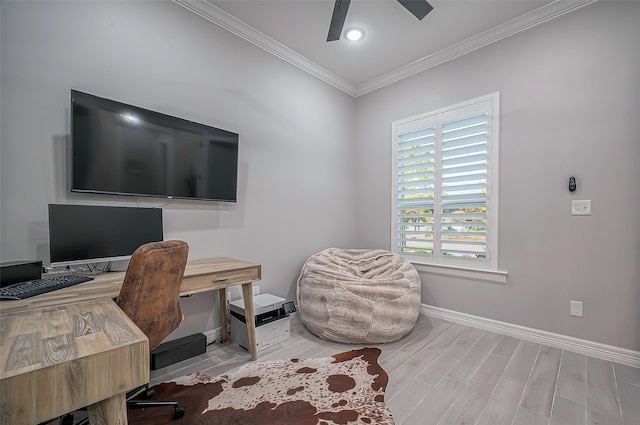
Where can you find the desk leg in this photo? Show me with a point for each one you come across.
(112, 411)
(222, 292)
(247, 296)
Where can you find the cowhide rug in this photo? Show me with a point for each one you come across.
(344, 389)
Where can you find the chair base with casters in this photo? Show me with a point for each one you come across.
(147, 392)
(144, 391)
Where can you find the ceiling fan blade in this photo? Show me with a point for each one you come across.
(418, 8)
(338, 17)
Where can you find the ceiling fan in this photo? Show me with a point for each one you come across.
(419, 9)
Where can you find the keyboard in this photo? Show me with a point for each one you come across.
(31, 288)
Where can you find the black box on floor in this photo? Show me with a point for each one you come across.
(19, 271)
(178, 350)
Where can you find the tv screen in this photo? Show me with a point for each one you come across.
(127, 150)
(81, 234)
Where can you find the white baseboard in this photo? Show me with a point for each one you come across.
(213, 335)
(576, 345)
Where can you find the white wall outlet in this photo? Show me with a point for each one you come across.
(582, 207)
(256, 290)
(575, 308)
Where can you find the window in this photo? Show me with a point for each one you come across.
(445, 180)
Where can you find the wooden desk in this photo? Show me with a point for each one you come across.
(55, 360)
(199, 276)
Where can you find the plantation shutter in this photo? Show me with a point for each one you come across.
(416, 190)
(463, 211)
(443, 164)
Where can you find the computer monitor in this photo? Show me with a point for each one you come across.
(85, 234)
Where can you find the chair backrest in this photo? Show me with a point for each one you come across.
(150, 294)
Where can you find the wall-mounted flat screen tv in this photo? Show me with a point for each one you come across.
(123, 149)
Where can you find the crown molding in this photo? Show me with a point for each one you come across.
(228, 22)
(522, 23)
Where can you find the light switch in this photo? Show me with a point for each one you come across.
(581, 207)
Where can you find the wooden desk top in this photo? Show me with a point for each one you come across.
(59, 359)
(199, 276)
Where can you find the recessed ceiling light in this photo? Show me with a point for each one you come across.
(354, 34)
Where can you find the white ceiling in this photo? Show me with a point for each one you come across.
(396, 44)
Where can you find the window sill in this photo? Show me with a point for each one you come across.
(494, 276)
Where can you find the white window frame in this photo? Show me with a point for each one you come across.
(483, 269)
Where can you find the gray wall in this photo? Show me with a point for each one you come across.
(296, 181)
(570, 99)
(570, 105)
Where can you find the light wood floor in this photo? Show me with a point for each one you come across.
(444, 373)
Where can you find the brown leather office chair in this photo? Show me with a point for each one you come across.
(150, 296)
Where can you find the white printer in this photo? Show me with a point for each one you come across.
(271, 318)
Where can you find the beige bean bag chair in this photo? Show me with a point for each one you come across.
(358, 295)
